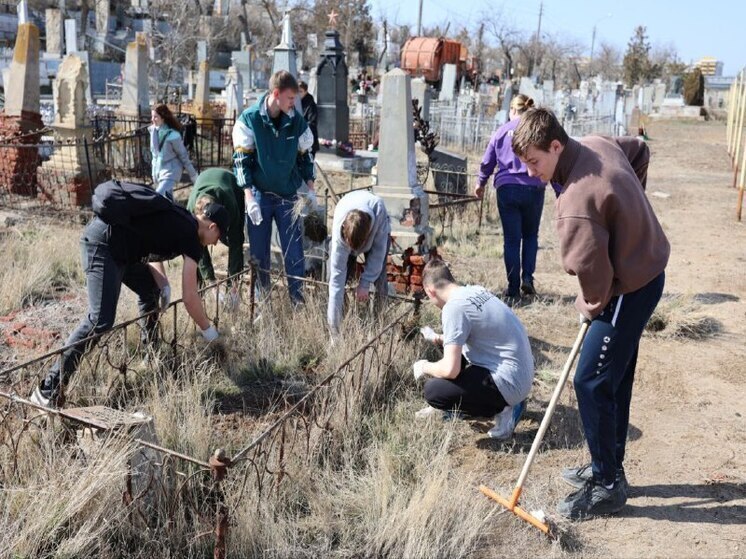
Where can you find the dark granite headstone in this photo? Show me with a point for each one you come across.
(331, 100)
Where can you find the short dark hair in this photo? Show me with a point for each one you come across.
(437, 274)
(303, 85)
(537, 128)
(282, 80)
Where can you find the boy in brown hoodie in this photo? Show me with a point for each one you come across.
(611, 240)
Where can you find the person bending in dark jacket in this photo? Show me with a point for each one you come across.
(114, 254)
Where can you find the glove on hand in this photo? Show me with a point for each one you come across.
(210, 334)
(419, 369)
(254, 213)
(429, 334)
(582, 319)
(311, 197)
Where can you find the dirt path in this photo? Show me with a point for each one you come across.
(686, 459)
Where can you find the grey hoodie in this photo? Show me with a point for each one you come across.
(374, 248)
(170, 159)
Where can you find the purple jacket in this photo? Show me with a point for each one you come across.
(499, 153)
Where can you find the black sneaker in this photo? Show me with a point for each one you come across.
(528, 289)
(593, 499)
(578, 477)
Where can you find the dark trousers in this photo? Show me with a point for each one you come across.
(520, 210)
(606, 371)
(104, 279)
(473, 392)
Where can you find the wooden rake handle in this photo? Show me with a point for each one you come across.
(550, 411)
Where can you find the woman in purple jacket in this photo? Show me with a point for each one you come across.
(520, 201)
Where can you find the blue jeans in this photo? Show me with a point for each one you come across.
(606, 371)
(104, 279)
(279, 209)
(520, 210)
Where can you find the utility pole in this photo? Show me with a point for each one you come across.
(419, 21)
(535, 54)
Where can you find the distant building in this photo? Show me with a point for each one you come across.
(709, 66)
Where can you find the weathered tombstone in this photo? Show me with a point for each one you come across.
(242, 63)
(135, 96)
(71, 36)
(421, 92)
(233, 93)
(201, 103)
(448, 83)
(406, 201)
(55, 30)
(659, 94)
(69, 176)
(331, 79)
(449, 172)
(21, 114)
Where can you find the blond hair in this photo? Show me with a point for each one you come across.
(521, 103)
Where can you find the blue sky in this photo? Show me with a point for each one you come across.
(696, 29)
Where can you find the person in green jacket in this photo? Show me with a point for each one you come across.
(272, 161)
(221, 186)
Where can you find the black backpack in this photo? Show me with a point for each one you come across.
(118, 203)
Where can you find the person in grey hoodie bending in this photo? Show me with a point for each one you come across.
(169, 155)
(361, 226)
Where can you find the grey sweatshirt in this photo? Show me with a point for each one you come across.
(374, 248)
(171, 159)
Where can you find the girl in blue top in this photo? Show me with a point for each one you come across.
(169, 155)
(520, 201)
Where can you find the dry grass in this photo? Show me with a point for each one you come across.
(377, 485)
(681, 317)
(38, 263)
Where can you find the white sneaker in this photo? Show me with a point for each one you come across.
(504, 425)
(426, 412)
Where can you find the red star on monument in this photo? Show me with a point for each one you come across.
(333, 19)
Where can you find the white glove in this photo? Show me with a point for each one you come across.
(254, 212)
(582, 319)
(164, 298)
(419, 369)
(311, 197)
(210, 334)
(429, 334)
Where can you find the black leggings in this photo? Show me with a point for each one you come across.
(473, 392)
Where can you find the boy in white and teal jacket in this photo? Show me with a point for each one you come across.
(272, 161)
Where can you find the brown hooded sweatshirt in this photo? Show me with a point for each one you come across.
(609, 235)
